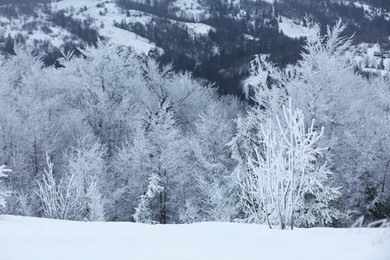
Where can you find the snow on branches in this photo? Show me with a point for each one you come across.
(285, 183)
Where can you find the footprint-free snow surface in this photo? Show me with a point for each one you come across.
(45, 239)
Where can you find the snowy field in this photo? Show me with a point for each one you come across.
(44, 239)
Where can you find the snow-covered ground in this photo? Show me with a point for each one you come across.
(44, 239)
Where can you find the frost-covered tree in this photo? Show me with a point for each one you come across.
(86, 163)
(327, 88)
(371, 144)
(54, 202)
(286, 184)
(157, 147)
(212, 182)
(168, 161)
(3, 194)
(142, 211)
(105, 84)
(131, 167)
(75, 196)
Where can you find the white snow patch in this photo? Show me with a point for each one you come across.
(199, 28)
(145, 18)
(44, 239)
(189, 9)
(366, 7)
(293, 29)
(269, 1)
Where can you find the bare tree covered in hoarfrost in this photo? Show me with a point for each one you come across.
(58, 199)
(3, 194)
(106, 86)
(86, 163)
(142, 211)
(286, 183)
(212, 179)
(76, 195)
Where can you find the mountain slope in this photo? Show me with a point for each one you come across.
(215, 39)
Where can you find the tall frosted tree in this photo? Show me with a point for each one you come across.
(132, 166)
(3, 194)
(212, 183)
(286, 183)
(106, 86)
(168, 161)
(87, 166)
(143, 211)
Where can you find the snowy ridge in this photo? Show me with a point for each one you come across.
(45, 239)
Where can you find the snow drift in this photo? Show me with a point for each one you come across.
(34, 238)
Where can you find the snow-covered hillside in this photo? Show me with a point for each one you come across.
(100, 13)
(44, 239)
(104, 14)
(293, 29)
(37, 30)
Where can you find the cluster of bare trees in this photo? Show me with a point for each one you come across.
(110, 135)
